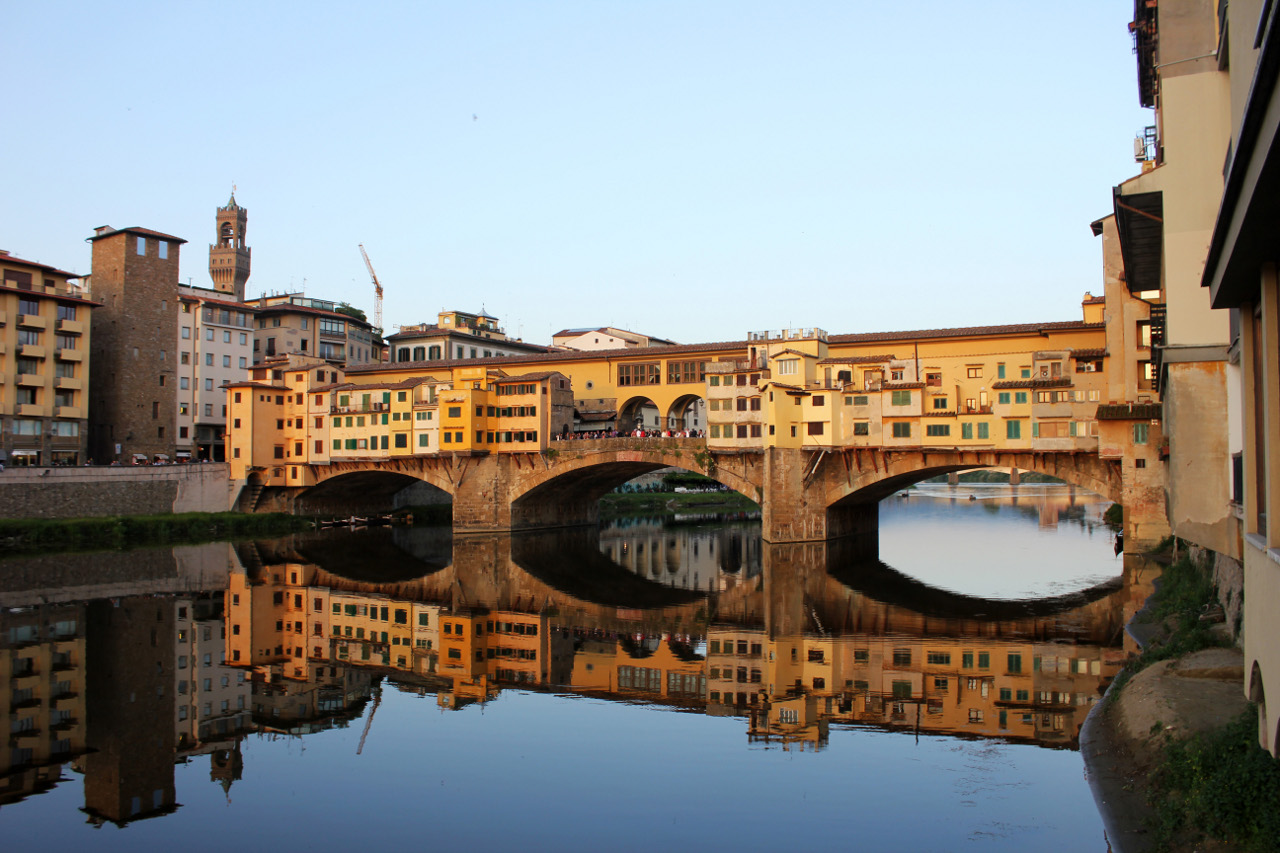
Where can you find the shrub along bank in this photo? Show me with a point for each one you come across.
(25, 535)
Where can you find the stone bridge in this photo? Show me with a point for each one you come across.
(804, 495)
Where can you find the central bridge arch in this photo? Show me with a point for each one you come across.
(567, 489)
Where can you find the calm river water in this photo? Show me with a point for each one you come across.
(641, 687)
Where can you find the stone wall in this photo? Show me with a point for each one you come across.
(98, 491)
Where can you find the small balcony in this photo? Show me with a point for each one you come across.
(71, 327)
(31, 350)
(72, 412)
(33, 410)
(31, 380)
(32, 321)
(68, 354)
(69, 383)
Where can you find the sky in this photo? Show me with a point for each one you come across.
(690, 170)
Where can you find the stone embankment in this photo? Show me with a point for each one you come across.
(91, 491)
(1123, 740)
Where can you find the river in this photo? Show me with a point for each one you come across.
(646, 686)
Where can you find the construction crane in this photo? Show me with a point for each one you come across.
(377, 700)
(377, 290)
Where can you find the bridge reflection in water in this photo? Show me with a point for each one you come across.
(294, 636)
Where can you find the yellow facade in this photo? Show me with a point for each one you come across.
(44, 386)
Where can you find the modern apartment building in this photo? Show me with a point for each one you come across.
(293, 324)
(44, 399)
(215, 346)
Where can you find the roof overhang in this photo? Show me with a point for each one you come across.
(1140, 223)
(1244, 237)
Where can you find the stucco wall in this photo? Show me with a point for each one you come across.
(98, 491)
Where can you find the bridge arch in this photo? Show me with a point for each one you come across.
(882, 473)
(572, 486)
(356, 488)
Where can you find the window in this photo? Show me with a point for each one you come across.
(647, 373)
(984, 430)
(184, 383)
(900, 398)
(1014, 663)
(788, 366)
(1013, 429)
(901, 429)
(939, 658)
(815, 427)
(1020, 397)
(862, 428)
(939, 402)
(973, 372)
(1140, 433)
(933, 380)
(902, 657)
(455, 411)
(966, 431)
(937, 429)
(142, 245)
(860, 400)
(1003, 398)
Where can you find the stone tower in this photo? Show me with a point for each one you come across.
(229, 257)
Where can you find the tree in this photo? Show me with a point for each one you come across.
(350, 311)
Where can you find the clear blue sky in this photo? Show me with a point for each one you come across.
(692, 170)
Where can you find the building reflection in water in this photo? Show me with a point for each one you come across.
(290, 637)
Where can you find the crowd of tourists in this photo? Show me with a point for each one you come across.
(635, 433)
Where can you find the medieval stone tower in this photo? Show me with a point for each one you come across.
(229, 257)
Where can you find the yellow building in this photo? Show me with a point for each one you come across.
(44, 399)
(297, 411)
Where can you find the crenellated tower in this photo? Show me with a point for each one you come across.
(229, 257)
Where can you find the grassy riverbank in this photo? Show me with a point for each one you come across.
(26, 535)
(1202, 773)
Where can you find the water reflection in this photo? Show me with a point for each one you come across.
(127, 666)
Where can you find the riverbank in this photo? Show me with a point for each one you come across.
(620, 505)
(34, 535)
(1171, 752)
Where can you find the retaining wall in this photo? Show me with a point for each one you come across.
(96, 491)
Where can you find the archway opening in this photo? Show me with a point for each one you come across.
(687, 413)
(639, 413)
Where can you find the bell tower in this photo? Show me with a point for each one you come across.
(229, 257)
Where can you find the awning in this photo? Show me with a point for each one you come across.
(24, 452)
(182, 454)
(164, 456)
(1140, 222)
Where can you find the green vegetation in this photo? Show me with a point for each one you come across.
(24, 535)
(1114, 515)
(350, 311)
(1220, 784)
(1182, 593)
